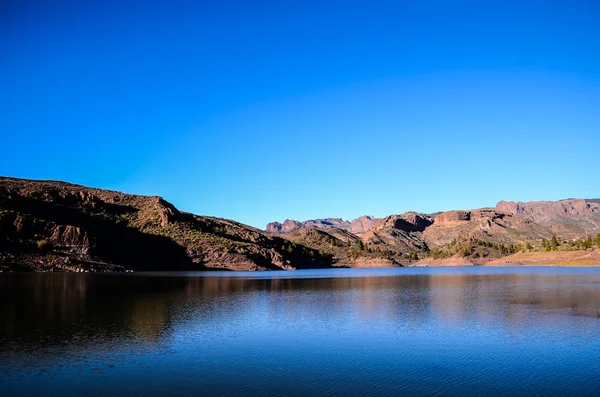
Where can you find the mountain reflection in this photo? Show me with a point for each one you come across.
(53, 309)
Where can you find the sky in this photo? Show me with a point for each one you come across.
(260, 111)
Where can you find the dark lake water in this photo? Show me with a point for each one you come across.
(407, 331)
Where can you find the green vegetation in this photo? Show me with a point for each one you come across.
(545, 245)
(554, 242)
(289, 247)
(44, 245)
(474, 248)
(359, 246)
(412, 256)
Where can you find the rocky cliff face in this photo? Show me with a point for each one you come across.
(570, 218)
(46, 225)
(549, 211)
(452, 217)
(399, 233)
(287, 226)
(363, 224)
(408, 222)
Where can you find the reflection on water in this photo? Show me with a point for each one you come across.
(495, 331)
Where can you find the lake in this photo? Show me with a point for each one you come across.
(404, 331)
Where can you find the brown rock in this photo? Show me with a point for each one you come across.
(71, 236)
(569, 218)
(287, 226)
(363, 224)
(166, 211)
(452, 217)
(408, 222)
(357, 226)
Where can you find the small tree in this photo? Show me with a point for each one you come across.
(44, 245)
(554, 242)
(412, 256)
(598, 241)
(360, 246)
(467, 250)
(519, 247)
(528, 246)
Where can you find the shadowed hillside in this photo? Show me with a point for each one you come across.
(47, 225)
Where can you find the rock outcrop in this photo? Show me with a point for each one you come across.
(549, 211)
(287, 226)
(570, 218)
(408, 222)
(358, 225)
(451, 217)
(72, 237)
(363, 224)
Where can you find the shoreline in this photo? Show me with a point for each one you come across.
(581, 258)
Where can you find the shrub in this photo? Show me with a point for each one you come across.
(44, 245)
(360, 246)
(554, 242)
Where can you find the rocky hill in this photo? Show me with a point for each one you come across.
(47, 225)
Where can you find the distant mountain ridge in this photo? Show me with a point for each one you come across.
(358, 225)
(479, 233)
(571, 216)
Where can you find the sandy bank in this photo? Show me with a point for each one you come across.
(554, 258)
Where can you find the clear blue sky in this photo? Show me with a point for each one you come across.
(305, 109)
